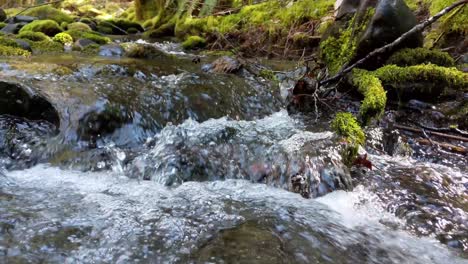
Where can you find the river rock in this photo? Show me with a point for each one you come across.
(83, 43)
(224, 64)
(24, 44)
(22, 101)
(112, 50)
(12, 28)
(363, 26)
(3, 15)
(21, 19)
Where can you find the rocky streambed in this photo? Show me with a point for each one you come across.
(116, 160)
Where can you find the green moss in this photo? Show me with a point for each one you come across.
(346, 125)
(133, 50)
(63, 38)
(268, 74)
(12, 51)
(338, 49)
(45, 46)
(442, 77)
(79, 26)
(4, 41)
(34, 36)
(193, 42)
(2, 25)
(409, 57)
(94, 36)
(375, 97)
(48, 27)
(92, 49)
(48, 12)
(453, 22)
(63, 70)
(132, 31)
(125, 24)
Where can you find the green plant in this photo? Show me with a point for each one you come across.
(63, 38)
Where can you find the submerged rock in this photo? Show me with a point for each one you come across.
(224, 64)
(80, 44)
(22, 101)
(112, 50)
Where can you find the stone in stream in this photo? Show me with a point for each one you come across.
(12, 28)
(363, 26)
(111, 50)
(24, 44)
(22, 101)
(21, 19)
(224, 64)
(3, 15)
(80, 44)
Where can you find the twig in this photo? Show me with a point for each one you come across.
(416, 130)
(446, 146)
(396, 42)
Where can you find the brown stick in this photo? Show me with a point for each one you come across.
(396, 42)
(450, 147)
(420, 131)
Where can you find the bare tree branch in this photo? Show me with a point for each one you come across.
(398, 41)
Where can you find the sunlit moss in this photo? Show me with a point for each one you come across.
(48, 12)
(91, 35)
(63, 38)
(79, 26)
(346, 125)
(13, 51)
(408, 57)
(48, 27)
(338, 49)
(375, 97)
(46, 46)
(443, 77)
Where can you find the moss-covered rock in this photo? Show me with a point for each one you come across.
(48, 12)
(79, 26)
(63, 38)
(46, 46)
(363, 26)
(422, 81)
(48, 27)
(92, 49)
(193, 42)
(134, 50)
(5, 41)
(375, 97)
(34, 36)
(125, 24)
(91, 35)
(13, 51)
(409, 57)
(2, 24)
(346, 125)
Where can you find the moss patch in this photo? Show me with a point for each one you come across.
(63, 38)
(339, 49)
(79, 26)
(193, 42)
(46, 46)
(48, 27)
(91, 35)
(442, 77)
(346, 125)
(12, 51)
(409, 57)
(375, 97)
(50, 13)
(34, 36)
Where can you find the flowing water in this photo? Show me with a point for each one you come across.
(159, 162)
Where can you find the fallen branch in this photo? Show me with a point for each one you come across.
(396, 42)
(446, 146)
(421, 131)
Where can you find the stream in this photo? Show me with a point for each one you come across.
(156, 161)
